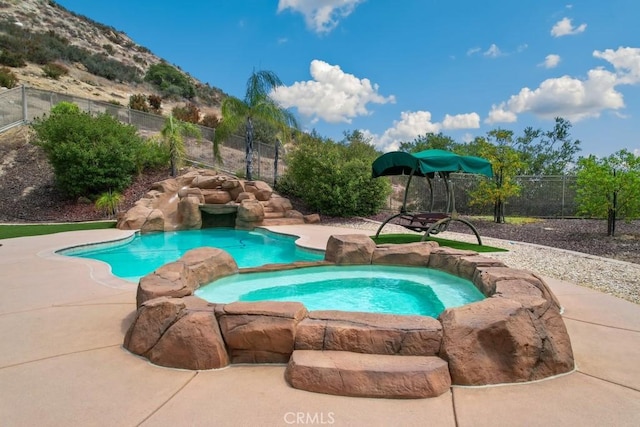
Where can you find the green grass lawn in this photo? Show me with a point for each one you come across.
(411, 238)
(8, 231)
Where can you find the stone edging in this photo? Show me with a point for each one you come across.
(516, 334)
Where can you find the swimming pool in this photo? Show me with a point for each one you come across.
(366, 288)
(133, 258)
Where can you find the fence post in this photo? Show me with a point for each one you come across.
(25, 111)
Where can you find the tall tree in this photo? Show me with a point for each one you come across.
(173, 134)
(430, 141)
(256, 105)
(506, 162)
(609, 187)
(548, 152)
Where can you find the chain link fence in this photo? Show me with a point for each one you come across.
(543, 196)
(20, 105)
(549, 196)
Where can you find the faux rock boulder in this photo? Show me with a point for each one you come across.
(179, 203)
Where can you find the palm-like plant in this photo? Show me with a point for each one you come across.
(173, 134)
(256, 105)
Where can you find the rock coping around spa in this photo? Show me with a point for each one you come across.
(514, 335)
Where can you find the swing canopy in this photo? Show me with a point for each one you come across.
(427, 163)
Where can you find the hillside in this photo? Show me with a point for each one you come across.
(42, 32)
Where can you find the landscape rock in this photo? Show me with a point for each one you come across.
(171, 280)
(370, 333)
(209, 264)
(189, 212)
(411, 254)
(177, 203)
(192, 342)
(497, 340)
(350, 249)
(260, 332)
(153, 318)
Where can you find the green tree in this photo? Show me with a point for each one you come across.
(430, 141)
(89, 154)
(547, 153)
(173, 134)
(170, 80)
(506, 162)
(609, 187)
(256, 105)
(335, 178)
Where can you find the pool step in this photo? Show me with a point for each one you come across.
(344, 373)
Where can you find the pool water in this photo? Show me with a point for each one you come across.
(137, 257)
(366, 288)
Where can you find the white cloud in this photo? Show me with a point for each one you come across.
(321, 16)
(333, 95)
(551, 61)
(573, 98)
(410, 126)
(461, 121)
(415, 123)
(493, 51)
(467, 138)
(625, 60)
(473, 51)
(498, 114)
(564, 27)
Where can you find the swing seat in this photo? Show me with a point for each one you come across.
(420, 222)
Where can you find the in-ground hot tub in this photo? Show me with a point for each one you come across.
(366, 288)
(515, 334)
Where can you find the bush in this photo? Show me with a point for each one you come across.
(12, 59)
(89, 154)
(189, 113)
(334, 179)
(7, 78)
(210, 121)
(54, 70)
(156, 103)
(138, 102)
(170, 81)
(109, 48)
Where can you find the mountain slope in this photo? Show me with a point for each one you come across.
(28, 25)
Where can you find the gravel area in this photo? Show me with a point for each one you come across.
(608, 275)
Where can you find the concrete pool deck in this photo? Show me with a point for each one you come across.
(63, 320)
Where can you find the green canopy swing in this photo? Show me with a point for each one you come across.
(427, 164)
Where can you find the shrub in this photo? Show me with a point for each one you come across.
(138, 102)
(89, 154)
(152, 154)
(156, 103)
(7, 78)
(210, 121)
(170, 81)
(189, 113)
(109, 202)
(335, 179)
(54, 70)
(109, 48)
(12, 59)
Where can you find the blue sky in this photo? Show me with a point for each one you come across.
(399, 69)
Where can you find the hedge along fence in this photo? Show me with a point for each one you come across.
(551, 196)
(20, 105)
